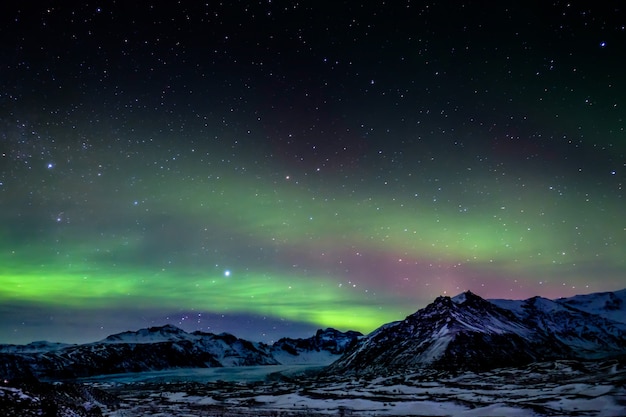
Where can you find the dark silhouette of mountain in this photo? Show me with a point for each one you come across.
(324, 347)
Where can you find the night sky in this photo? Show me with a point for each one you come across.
(270, 168)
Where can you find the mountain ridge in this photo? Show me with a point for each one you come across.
(165, 347)
(449, 334)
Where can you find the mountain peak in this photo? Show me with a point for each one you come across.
(166, 332)
(466, 296)
(464, 302)
(166, 328)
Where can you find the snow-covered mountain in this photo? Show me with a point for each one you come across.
(469, 333)
(166, 347)
(586, 335)
(450, 333)
(105, 358)
(224, 349)
(610, 305)
(465, 332)
(167, 333)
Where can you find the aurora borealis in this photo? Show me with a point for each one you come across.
(269, 168)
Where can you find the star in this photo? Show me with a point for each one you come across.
(176, 176)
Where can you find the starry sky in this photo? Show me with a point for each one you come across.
(267, 168)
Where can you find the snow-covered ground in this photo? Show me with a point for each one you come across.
(562, 388)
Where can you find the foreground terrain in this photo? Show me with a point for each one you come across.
(561, 388)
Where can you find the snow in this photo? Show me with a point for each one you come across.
(459, 299)
(16, 392)
(597, 303)
(183, 397)
(203, 375)
(512, 305)
(437, 349)
(371, 407)
(609, 305)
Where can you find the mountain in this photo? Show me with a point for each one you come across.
(610, 305)
(165, 347)
(450, 333)
(587, 335)
(39, 346)
(465, 332)
(155, 348)
(469, 333)
(323, 348)
(106, 358)
(167, 333)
